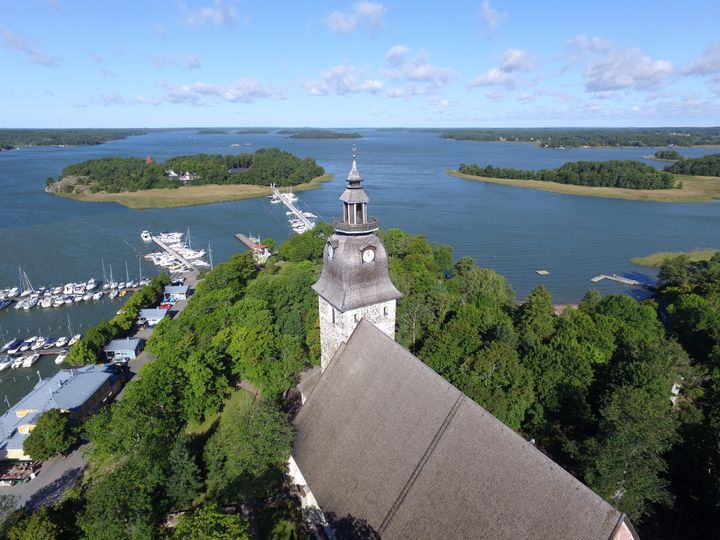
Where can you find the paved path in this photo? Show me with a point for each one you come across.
(59, 473)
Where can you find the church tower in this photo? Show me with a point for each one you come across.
(355, 282)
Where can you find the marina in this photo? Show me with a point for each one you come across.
(299, 220)
(176, 254)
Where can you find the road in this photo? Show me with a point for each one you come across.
(59, 473)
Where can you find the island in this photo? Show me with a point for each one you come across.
(13, 138)
(185, 180)
(252, 131)
(212, 132)
(596, 137)
(319, 134)
(619, 179)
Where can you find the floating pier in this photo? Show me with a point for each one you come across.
(174, 253)
(618, 279)
(277, 194)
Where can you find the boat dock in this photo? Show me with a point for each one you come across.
(245, 240)
(618, 279)
(174, 253)
(309, 225)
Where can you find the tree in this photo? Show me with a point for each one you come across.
(182, 483)
(624, 462)
(536, 317)
(248, 453)
(37, 526)
(52, 434)
(209, 523)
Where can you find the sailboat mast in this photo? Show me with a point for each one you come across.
(127, 274)
(103, 267)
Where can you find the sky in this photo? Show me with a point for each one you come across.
(323, 63)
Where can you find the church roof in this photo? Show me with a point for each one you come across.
(385, 441)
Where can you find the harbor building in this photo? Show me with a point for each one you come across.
(123, 348)
(76, 391)
(385, 447)
(152, 316)
(173, 293)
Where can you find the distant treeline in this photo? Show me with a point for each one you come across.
(703, 166)
(10, 138)
(616, 173)
(556, 137)
(318, 134)
(116, 174)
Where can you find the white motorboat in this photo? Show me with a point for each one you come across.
(30, 360)
(39, 344)
(46, 302)
(87, 296)
(113, 294)
(27, 344)
(13, 293)
(121, 285)
(97, 295)
(74, 339)
(5, 362)
(61, 341)
(58, 301)
(77, 298)
(61, 357)
(49, 343)
(17, 362)
(91, 284)
(57, 290)
(146, 236)
(68, 288)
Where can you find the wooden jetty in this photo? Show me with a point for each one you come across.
(618, 279)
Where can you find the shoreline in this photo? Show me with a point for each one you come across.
(655, 260)
(188, 195)
(696, 189)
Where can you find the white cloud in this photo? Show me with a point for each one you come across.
(218, 14)
(582, 44)
(343, 79)
(626, 69)
(707, 63)
(188, 60)
(13, 41)
(368, 14)
(417, 71)
(243, 90)
(396, 55)
(513, 64)
(109, 100)
(491, 17)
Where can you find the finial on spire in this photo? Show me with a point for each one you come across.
(354, 150)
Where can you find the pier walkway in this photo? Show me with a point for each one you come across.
(174, 253)
(297, 213)
(618, 279)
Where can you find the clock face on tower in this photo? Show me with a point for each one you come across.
(368, 255)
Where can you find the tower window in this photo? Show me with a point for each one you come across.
(332, 314)
(355, 317)
(385, 311)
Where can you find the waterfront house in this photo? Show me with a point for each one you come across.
(151, 316)
(173, 293)
(78, 392)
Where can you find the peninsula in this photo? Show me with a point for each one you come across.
(321, 134)
(185, 180)
(13, 138)
(625, 179)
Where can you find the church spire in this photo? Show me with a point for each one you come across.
(355, 220)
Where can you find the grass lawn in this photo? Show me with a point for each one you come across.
(695, 188)
(656, 259)
(189, 195)
(238, 395)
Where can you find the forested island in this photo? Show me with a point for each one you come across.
(193, 179)
(212, 132)
(563, 137)
(624, 401)
(12, 138)
(703, 166)
(628, 174)
(667, 155)
(318, 134)
(252, 131)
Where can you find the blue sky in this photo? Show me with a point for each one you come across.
(359, 64)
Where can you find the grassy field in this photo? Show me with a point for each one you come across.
(654, 260)
(695, 189)
(190, 195)
(238, 395)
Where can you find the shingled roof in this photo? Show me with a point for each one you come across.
(384, 440)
